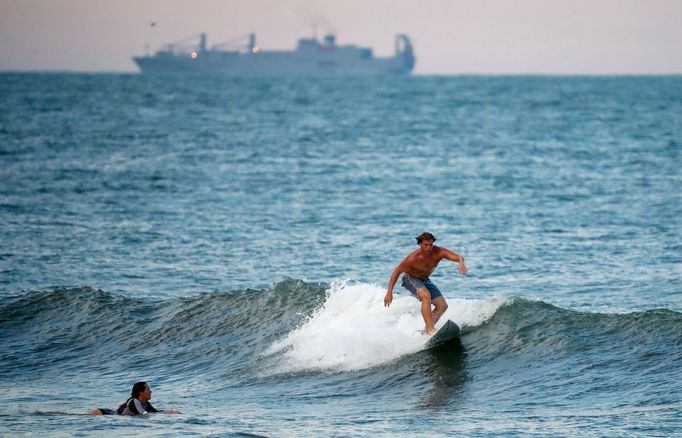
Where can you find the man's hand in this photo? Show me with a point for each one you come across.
(388, 299)
(462, 268)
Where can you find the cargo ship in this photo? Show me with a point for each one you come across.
(311, 57)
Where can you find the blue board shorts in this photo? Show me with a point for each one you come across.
(413, 284)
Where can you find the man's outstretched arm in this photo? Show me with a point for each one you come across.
(454, 257)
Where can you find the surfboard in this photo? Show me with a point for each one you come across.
(448, 332)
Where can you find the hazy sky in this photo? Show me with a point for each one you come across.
(455, 36)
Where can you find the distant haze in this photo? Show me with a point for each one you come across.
(449, 37)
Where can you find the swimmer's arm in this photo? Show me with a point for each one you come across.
(139, 408)
(151, 409)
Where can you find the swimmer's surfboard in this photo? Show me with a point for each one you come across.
(448, 332)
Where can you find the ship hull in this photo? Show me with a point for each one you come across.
(241, 65)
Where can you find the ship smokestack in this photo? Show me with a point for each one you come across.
(202, 42)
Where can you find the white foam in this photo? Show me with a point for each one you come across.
(353, 330)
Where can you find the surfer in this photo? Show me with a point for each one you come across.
(137, 404)
(416, 269)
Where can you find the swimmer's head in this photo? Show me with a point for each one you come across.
(138, 388)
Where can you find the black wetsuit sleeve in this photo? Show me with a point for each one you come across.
(151, 408)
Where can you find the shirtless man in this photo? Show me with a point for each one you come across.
(416, 269)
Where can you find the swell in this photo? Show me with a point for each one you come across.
(69, 330)
(522, 324)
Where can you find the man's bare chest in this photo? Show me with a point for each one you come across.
(424, 262)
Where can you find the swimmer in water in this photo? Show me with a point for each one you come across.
(137, 404)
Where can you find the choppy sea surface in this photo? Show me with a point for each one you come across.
(230, 242)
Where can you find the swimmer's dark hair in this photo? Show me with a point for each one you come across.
(137, 389)
(425, 236)
(134, 393)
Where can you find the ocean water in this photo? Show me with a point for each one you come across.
(230, 242)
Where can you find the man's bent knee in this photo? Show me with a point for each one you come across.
(423, 294)
(440, 303)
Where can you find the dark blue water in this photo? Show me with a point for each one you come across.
(230, 241)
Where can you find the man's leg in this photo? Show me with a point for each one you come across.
(441, 307)
(425, 298)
